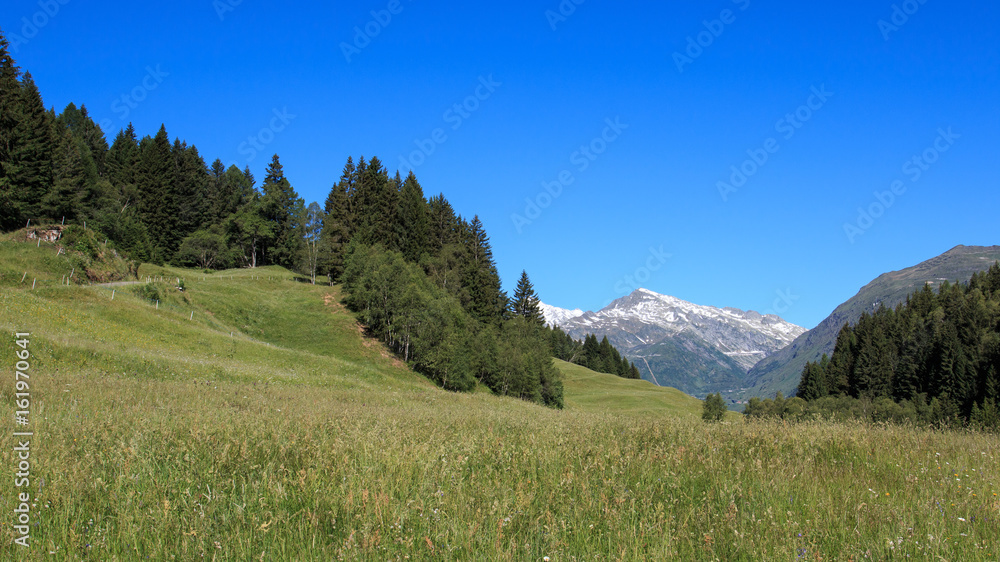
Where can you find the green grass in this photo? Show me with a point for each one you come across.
(160, 435)
(587, 391)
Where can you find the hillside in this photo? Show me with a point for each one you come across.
(587, 391)
(782, 371)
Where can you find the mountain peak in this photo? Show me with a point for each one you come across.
(673, 341)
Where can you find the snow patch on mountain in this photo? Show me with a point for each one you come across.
(645, 316)
(555, 316)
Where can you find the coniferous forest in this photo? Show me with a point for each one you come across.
(420, 277)
(935, 358)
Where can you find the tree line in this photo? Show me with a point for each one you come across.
(601, 356)
(934, 358)
(421, 277)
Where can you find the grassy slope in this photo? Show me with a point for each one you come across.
(162, 436)
(587, 391)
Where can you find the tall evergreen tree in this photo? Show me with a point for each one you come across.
(525, 303)
(10, 101)
(338, 223)
(123, 157)
(374, 205)
(69, 187)
(157, 198)
(282, 208)
(488, 302)
(412, 221)
(191, 186)
(30, 171)
(442, 225)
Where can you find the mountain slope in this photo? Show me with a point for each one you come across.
(782, 371)
(697, 349)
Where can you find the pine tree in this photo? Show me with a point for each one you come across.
(69, 186)
(30, 169)
(10, 101)
(487, 301)
(412, 221)
(442, 225)
(123, 157)
(607, 361)
(157, 198)
(282, 208)
(634, 372)
(191, 187)
(374, 205)
(525, 303)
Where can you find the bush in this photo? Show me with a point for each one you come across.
(149, 291)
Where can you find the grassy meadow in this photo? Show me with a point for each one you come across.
(247, 418)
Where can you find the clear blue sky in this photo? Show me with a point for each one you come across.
(220, 71)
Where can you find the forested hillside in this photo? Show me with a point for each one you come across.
(934, 358)
(421, 277)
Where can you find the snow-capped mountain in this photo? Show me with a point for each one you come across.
(698, 349)
(555, 316)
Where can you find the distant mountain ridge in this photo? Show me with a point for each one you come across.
(555, 316)
(782, 371)
(697, 349)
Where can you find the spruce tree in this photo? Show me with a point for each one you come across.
(282, 208)
(487, 301)
(30, 169)
(123, 158)
(337, 225)
(10, 102)
(157, 198)
(69, 187)
(191, 186)
(634, 372)
(525, 303)
(442, 225)
(412, 221)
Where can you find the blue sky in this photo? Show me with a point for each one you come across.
(632, 115)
